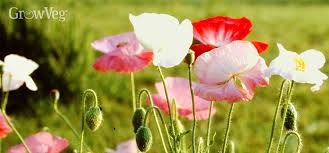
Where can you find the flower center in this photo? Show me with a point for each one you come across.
(300, 64)
(121, 44)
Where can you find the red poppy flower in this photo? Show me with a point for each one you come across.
(221, 30)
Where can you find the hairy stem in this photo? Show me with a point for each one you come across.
(228, 126)
(299, 145)
(276, 116)
(193, 108)
(209, 125)
(132, 80)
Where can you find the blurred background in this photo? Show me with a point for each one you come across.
(63, 50)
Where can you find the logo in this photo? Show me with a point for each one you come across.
(44, 13)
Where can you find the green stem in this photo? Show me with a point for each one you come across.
(275, 116)
(285, 105)
(156, 119)
(298, 138)
(3, 109)
(64, 118)
(132, 80)
(228, 126)
(209, 126)
(168, 102)
(193, 108)
(84, 115)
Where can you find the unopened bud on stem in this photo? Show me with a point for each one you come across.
(190, 57)
(138, 118)
(94, 118)
(144, 139)
(291, 117)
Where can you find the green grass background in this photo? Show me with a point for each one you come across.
(65, 56)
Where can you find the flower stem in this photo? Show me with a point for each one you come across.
(132, 80)
(275, 116)
(299, 145)
(228, 126)
(12, 126)
(209, 126)
(84, 115)
(285, 105)
(193, 108)
(156, 119)
(64, 118)
(168, 102)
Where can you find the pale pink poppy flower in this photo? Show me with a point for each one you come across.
(4, 127)
(230, 73)
(129, 146)
(178, 90)
(123, 53)
(41, 142)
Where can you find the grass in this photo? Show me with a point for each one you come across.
(298, 27)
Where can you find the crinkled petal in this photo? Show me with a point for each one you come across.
(126, 42)
(19, 65)
(227, 92)
(283, 65)
(260, 46)
(253, 78)
(30, 84)
(220, 64)
(162, 33)
(314, 59)
(178, 89)
(10, 83)
(123, 63)
(201, 48)
(221, 30)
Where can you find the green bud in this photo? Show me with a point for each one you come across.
(94, 118)
(291, 117)
(230, 147)
(138, 118)
(178, 126)
(190, 57)
(144, 139)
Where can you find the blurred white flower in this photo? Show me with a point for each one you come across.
(16, 71)
(165, 36)
(302, 68)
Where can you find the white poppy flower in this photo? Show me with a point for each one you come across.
(302, 68)
(165, 36)
(16, 72)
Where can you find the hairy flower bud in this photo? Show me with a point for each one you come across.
(291, 117)
(178, 126)
(138, 118)
(94, 118)
(144, 139)
(190, 57)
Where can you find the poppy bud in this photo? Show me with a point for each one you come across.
(94, 118)
(178, 126)
(190, 57)
(230, 148)
(144, 139)
(138, 118)
(291, 117)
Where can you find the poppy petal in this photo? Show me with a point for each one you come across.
(260, 46)
(201, 48)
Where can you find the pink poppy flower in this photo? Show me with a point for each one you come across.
(129, 146)
(4, 127)
(221, 30)
(123, 53)
(230, 73)
(178, 89)
(41, 142)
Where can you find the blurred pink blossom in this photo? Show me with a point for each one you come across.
(123, 53)
(129, 146)
(41, 142)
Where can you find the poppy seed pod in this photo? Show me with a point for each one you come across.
(144, 139)
(178, 126)
(190, 57)
(94, 118)
(138, 118)
(291, 117)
